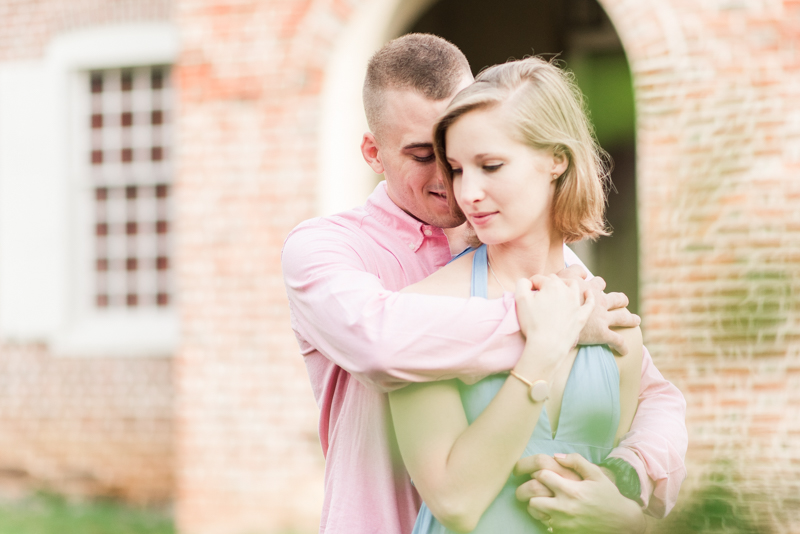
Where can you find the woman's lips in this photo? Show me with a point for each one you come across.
(482, 218)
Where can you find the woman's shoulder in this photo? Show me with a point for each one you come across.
(452, 280)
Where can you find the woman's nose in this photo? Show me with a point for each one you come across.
(471, 189)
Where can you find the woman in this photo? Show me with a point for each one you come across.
(521, 163)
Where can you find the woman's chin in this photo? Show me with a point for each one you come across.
(487, 238)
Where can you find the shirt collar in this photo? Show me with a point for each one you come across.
(411, 231)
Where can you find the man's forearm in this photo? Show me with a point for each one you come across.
(656, 444)
(387, 339)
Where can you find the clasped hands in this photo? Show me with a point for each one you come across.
(572, 495)
(609, 310)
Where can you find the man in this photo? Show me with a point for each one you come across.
(360, 338)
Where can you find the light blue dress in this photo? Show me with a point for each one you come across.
(587, 425)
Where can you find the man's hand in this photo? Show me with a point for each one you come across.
(592, 504)
(533, 488)
(610, 311)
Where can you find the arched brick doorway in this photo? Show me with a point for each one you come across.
(578, 31)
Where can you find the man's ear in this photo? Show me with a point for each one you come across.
(371, 152)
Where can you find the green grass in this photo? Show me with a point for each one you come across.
(51, 514)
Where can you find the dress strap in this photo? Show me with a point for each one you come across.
(480, 273)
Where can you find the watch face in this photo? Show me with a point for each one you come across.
(539, 391)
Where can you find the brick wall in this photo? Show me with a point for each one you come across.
(85, 426)
(250, 76)
(718, 102)
(82, 426)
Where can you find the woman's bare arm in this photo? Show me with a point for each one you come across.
(458, 468)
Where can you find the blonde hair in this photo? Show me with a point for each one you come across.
(547, 111)
(422, 62)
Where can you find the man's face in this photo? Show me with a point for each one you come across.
(405, 152)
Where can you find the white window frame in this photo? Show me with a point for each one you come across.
(46, 283)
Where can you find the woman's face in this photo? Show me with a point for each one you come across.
(504, 187)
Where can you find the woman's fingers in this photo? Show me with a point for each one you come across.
(580, 465)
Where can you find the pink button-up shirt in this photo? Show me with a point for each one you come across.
(360, 339)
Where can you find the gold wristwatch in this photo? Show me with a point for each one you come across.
(538, 390)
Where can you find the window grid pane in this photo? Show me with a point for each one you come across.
(131, 170)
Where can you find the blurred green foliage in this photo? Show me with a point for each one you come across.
(607, 85)
(46, 513)
(720, 505)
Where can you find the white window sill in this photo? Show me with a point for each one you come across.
(121, 333)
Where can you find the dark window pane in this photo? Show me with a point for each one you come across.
(157, 117)
(102, 264)
(161, 227)
(131, 264)
(127, 80)
(157, 79)
(162, 263)
(102, 301)
(127, 155)
(101, 229)
(97, 157)
(161, 191)
(127, 118)
(97, 120)
(132, 300)
(101, 193)
(97, 82)
(157, 153)
(130, 191)
(131, 228)
(162, 299)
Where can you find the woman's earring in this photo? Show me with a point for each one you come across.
(554, 176)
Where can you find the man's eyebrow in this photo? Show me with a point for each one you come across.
(413, 146)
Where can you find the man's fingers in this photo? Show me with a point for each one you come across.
(622, 318)
(597, 283)
(616, 300)
(536, 514)
(580, 465)
(551, 480)
(616, 342)
(532, 488)
(588, 305)
(543, 507)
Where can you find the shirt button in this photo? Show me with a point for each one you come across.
(411, 246)
(427, 231)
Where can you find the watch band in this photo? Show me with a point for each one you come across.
(626, 478)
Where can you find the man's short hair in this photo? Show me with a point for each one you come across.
(419, 61)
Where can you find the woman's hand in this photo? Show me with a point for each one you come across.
(552, 312)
